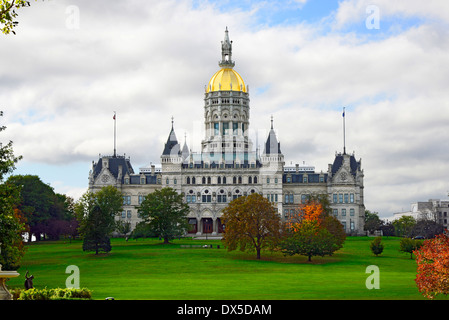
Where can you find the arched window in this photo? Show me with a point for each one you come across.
(204, 180)
(219, 180)
(206, 197)
(240, 180)
(188, 180)
(193, 180)
(234, 180)
(255, 179)
(224, 180)
(250, 180)
(221, 197)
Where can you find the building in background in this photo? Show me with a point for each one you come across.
(228, 166)
(434, 209)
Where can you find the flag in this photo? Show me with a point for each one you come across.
(113, 116)
(343, 112)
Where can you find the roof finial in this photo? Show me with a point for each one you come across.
(271, 121)
(172, 121)
(226, 52)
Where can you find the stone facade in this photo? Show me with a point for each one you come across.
(227, 166)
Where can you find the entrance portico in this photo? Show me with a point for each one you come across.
(205, 226)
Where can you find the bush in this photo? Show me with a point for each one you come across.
(55, 294)
(376, 246)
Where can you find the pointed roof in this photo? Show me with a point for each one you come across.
(185, 150)
(272, 146)
(171, 146)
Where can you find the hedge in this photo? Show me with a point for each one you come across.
(55, 294)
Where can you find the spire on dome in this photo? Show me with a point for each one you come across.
(226, 52)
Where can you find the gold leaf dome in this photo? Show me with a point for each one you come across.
(226, 79)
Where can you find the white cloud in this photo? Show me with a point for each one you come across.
(150, 61)
(353, 11)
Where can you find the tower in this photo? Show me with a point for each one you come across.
(226, 112)
(272, 170)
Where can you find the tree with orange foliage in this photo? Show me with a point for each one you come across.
(312, 232)
(432, 258)
(251, 223)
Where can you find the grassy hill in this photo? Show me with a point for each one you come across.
(147, 269)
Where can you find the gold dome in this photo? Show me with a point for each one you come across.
(226, 79)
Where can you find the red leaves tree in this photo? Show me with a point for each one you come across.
(432, 258)
(312, 232)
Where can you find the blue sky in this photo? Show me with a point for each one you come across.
(304, 61)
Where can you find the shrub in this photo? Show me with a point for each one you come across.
(376, 246)
(55, 294)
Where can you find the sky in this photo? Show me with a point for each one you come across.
(72, 64)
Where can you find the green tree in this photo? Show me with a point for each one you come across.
(313, 232)
(39, 203)
(96, 214)
(409, 245)
(376, 246)
(309, 240)
(11, 226)
(165, 213)
(8, 14)
(372, 221)
(404, 225)
(123, 227)
(251, 223)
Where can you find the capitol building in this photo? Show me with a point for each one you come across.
(229, 166)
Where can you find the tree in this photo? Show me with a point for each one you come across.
(8, 14)
(372, 221)
(409, 245)
(376, 246)
(165, 213)
(312, 232)
(426, 228)
(40, 204)
(123, 227)
(96, 214)
(404, 225)
(251, 223)
(309, 240)
(387, 229)
(432, 259)
(11, 218)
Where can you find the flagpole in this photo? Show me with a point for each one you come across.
(344, 131)
(115, 133)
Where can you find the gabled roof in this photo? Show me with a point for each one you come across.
(353, 163)
(114, 163)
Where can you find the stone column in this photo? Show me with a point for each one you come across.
(214, 226)
(199, 226)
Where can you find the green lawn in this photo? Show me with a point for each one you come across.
(147, 269)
